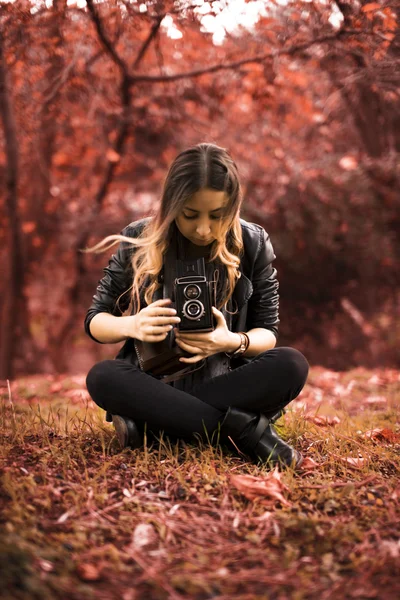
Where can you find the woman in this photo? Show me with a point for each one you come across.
(242, 382)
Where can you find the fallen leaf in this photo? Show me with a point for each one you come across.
(88, 572)
(65, 516)
(308, 464)
(322, 420)
(79, 380)
(144, 535)
(382, 433)
(391, 547)
(255, 487)
(56, 387)
(376, 399)
(357, 463)
(78, 394)
(46, 565)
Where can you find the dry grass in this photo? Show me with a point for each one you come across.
(80, 519)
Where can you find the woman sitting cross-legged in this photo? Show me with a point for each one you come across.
(234, 380)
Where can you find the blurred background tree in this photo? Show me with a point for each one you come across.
(97, 99)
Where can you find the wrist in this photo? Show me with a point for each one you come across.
(243, 346)
(233, 344)
(128, 326)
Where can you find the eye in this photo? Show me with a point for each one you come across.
(212, 217)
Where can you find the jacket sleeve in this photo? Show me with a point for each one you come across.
(264, 302)
(117, 280)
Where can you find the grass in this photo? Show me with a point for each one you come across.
(80, 519)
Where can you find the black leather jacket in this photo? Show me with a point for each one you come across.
(255, 293)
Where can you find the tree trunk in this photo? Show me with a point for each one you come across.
(13, 297)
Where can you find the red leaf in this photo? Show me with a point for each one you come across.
(308, 464)
(371, 6)
(112, 156)
(382, 434)
(351, 461)
(255, 487)
(322, 420)
(28, 227)
(144, 536)
(88, 572)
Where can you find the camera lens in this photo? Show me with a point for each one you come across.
(193, 309)
(192, 291)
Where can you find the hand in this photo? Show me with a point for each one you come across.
(207, 344)
(155, 321)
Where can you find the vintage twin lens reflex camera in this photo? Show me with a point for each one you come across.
(194, 296)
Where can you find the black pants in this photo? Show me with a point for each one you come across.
(266, 384)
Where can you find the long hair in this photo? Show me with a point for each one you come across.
(201, 166)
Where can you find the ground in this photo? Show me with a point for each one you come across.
(80, 519)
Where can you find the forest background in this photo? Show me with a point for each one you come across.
(96, 100)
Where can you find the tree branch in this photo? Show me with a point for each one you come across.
(147, 42)
(236, 64)
(104, 39)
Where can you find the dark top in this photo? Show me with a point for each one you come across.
(219, 363)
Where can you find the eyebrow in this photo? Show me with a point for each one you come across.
(196, 211)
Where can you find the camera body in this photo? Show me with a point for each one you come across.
(194, 296)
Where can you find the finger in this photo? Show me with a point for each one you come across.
(159, 328)
(160, 333)
(188, 347)
(161, 302)
(218, 314)
(192, 359)
(164, 320)
(160, 311)
(155, 336)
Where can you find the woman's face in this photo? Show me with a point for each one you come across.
(201, 216)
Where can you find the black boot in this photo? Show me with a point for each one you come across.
(277, 416)
(252, 433)
(127, 432)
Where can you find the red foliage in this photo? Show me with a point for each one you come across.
(103, 98)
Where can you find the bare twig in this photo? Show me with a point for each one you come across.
(236, 64)
(147, 42)
(103, 37)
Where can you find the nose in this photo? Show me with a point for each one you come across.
(203, 229)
